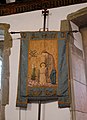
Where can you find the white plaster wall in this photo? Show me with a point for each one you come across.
(8, 1)
(77, 36)
(33, 21)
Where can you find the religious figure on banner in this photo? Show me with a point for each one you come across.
(45, 72)
(41, 63)
(50, 64)
(42, 73)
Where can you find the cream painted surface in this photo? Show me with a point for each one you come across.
(30, 22)
(8, 1)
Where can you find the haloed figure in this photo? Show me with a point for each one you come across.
(43, 73)
(50, 67)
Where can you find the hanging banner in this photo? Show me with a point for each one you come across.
(43, 69)
(21, 6)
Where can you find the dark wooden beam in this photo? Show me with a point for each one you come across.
(2, 1)
(32, 5)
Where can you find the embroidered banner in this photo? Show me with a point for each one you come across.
(43, 71)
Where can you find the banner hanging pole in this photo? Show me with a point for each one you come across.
(45, 13)
(39, 110)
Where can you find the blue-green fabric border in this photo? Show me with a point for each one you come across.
(23, 70)
(63, 75)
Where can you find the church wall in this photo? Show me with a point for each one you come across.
(29, 21)
(84, 37)
(79, 65)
